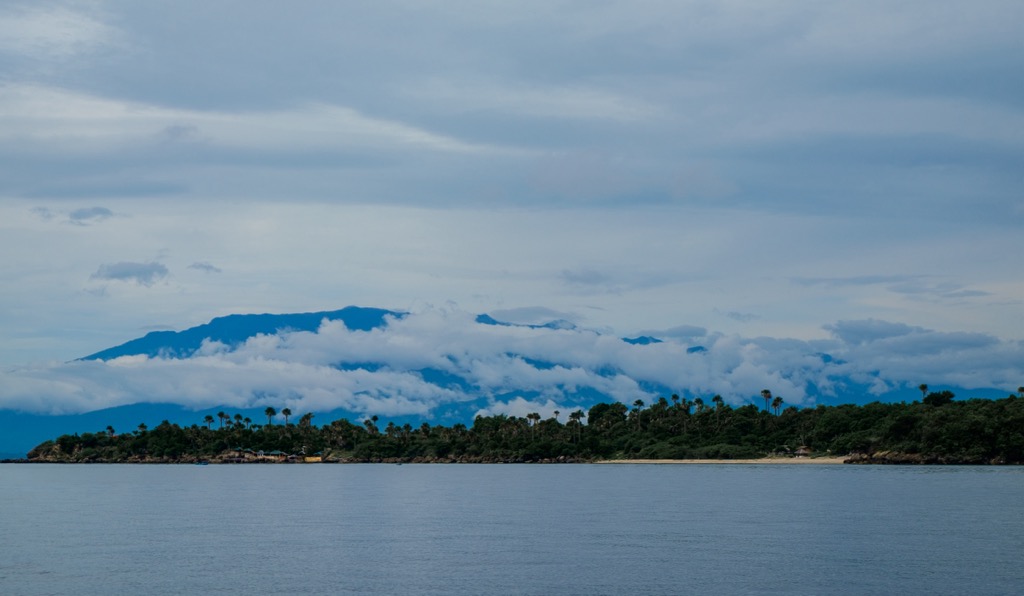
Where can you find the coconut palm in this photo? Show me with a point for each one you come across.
(719, 403)
(767, 395)
(534, 419)
(777, 404)
(208, 420)
(222, 417)
(576, 418)
(286, 413)
(1020, 391)
(924, 390)
(270, 412)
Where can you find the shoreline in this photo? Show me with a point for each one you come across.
(831, 461)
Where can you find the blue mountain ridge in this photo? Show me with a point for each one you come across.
(235, 329)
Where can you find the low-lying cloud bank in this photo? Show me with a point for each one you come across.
(430, 363)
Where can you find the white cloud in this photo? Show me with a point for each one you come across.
(51, 32)
(520, 407)
(563, 103)
(62, 120)
(515, 369)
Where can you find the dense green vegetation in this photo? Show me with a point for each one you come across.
(934, 430)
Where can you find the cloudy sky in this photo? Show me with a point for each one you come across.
(791, 170)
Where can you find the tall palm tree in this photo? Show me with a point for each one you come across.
(719, 402)
(534, 418)
(777, 404)
(1020, 391)
(222, 417)
(924, 390)
(767, 395)
(286, 413)
(248, 422)
(208, 420)
(576, 418)
(270, 412)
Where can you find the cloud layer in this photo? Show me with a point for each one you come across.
(440, 361)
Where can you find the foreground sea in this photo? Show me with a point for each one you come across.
(510, 529)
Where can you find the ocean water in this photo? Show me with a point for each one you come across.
(510, 529)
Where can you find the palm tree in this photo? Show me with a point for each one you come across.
(222, 417)
(270, 412)
(307, 420)
(777, 404)
(238, 420)
(208, 420)
(924, 390)
(248, 422)
(286, 413)
(1020, 391)
(719, 402)
(638, 404)
(576, 419)
(534, 418)
(110, 430)
(142, 427)
(767, 395)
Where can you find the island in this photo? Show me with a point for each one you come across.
(936, 430)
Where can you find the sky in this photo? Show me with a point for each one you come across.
(759, 170)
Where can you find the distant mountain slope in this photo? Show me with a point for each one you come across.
(235, 329)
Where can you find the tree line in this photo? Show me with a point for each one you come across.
(937, 429)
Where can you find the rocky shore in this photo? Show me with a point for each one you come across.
(904, 459)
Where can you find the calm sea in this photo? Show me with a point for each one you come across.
(510, 529)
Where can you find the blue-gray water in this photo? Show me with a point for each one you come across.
(510, 529)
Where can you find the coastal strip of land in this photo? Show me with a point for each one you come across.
(758, 461)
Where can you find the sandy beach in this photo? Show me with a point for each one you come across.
(763, 460)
